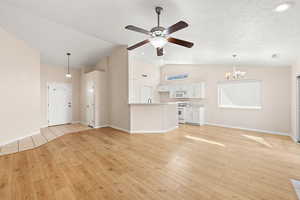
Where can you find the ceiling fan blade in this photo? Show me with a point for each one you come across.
(160, 51)
(176, 27)
(181, 42)
(137, 29)
(138, 44)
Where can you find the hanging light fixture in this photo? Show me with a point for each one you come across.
(68, 75)
(235, 75)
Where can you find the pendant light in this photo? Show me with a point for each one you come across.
(68, 75)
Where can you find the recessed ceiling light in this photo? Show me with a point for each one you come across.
(283, 7)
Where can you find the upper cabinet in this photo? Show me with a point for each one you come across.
(163, 88)
(197, 91)
(185, 91)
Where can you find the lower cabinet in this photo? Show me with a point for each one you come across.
(195, 115)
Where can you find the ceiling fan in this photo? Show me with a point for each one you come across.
(160, 36)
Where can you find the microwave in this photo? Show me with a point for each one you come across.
(180, 94)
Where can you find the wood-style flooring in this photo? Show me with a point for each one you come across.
(191, 162)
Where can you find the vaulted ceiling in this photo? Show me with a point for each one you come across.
(90, 29)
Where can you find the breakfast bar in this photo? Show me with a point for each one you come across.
(153, 117)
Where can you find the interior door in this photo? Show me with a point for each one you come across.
(146, 94)
(90, 103)
(59, 103)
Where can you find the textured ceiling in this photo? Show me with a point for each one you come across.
(91, 28)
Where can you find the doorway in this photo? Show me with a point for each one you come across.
(90, 103)
(59, 103)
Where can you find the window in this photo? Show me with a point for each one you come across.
(245, 94)
(177, 77)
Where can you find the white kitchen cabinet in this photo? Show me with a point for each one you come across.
(197, 91)
(192, 90)
(188, 115)
(172, 91)
(163, 88)
(195, 115)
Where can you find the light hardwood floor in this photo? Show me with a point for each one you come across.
(191, 162)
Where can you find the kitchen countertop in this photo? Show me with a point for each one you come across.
(170, 103)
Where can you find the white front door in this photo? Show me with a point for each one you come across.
(59, 103)
(90, 103)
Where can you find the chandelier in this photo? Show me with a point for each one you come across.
(235, 74)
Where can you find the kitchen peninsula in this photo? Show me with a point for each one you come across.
(153, 117)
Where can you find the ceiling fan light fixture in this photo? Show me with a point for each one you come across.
(160, 36)
(158, 41)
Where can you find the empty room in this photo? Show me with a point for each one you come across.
(150, 99)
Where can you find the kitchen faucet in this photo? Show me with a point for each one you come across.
(149, 100)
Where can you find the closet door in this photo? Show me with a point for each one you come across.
(90, 103)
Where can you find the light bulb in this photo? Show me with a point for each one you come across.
(158, 41)
(68, 75)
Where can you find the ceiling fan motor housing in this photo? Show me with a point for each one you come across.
(158, 10)
(158, 32)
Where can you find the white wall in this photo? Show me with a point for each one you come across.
(19, 89)
(138, 67)
(119, 110)
(102, 65)
(295, 70)
(50, 73)
(275, 114)
(116, 68)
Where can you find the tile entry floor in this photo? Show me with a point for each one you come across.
(46, 135)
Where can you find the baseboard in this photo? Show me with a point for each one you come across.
(154, 131)
(137, 132)
(20, 138)
(73, 122)
(248, 129)
(102, 126)
(295, 139)
(118, 128)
